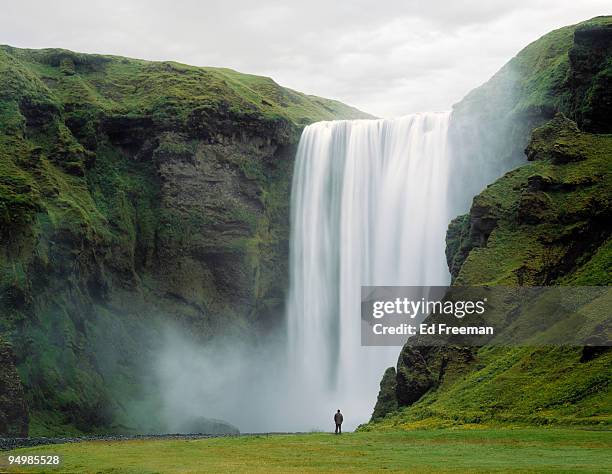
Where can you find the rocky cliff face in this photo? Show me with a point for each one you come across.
(136, 195)
(544, 223)
(590, 76)
(556, 209)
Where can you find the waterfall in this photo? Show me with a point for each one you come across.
(369, 206)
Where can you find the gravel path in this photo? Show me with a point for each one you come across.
(12, 443)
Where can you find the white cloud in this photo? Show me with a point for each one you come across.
(387, 58)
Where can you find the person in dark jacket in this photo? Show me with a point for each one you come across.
(338, 419)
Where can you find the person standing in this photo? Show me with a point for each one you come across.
(338, 419)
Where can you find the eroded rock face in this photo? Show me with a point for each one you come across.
(413, 376)
(424, 367)
(521, 202)
(13, 410)
(387, 399)
(591, 77)
(469, 231)
(419, 369)
(212, 212)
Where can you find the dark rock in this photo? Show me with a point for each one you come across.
(14, 417)
(550, 141)
(483, 219)
(387, 399)
(210, 426)
(423, 368)
(414, 378)
(457, 245)
(38, 111)
(539, 183)
(469, 231)
(591, 77)
(533, 208)
(128, 131)
(591, 352)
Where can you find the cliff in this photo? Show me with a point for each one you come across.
(134, 195)
(544, 223)
(567, 70)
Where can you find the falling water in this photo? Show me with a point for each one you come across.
(369, 207)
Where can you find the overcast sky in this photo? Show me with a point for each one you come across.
(388, 58)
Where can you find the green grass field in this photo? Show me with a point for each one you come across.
(449, 450)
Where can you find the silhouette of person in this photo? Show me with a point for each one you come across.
(338, 419)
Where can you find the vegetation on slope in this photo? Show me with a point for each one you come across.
(133, 195)
(544, 223)
(548, 219)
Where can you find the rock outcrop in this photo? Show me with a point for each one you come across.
(13, 411)
(207, 426)
(387, 399)
(591, 76)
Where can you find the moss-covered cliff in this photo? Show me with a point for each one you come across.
(133, 194)
(567, 70)
(545, 223)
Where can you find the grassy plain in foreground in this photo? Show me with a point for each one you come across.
(445, 450)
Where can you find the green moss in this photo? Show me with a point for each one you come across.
(540, 209)
(170, 93)
(519, 385)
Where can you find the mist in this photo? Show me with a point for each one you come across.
(247, 384)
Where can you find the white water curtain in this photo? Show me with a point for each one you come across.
(369, 207)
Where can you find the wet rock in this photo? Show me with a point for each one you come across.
(13, 410)
(202, 425)
(387, 400)
(414, 378)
